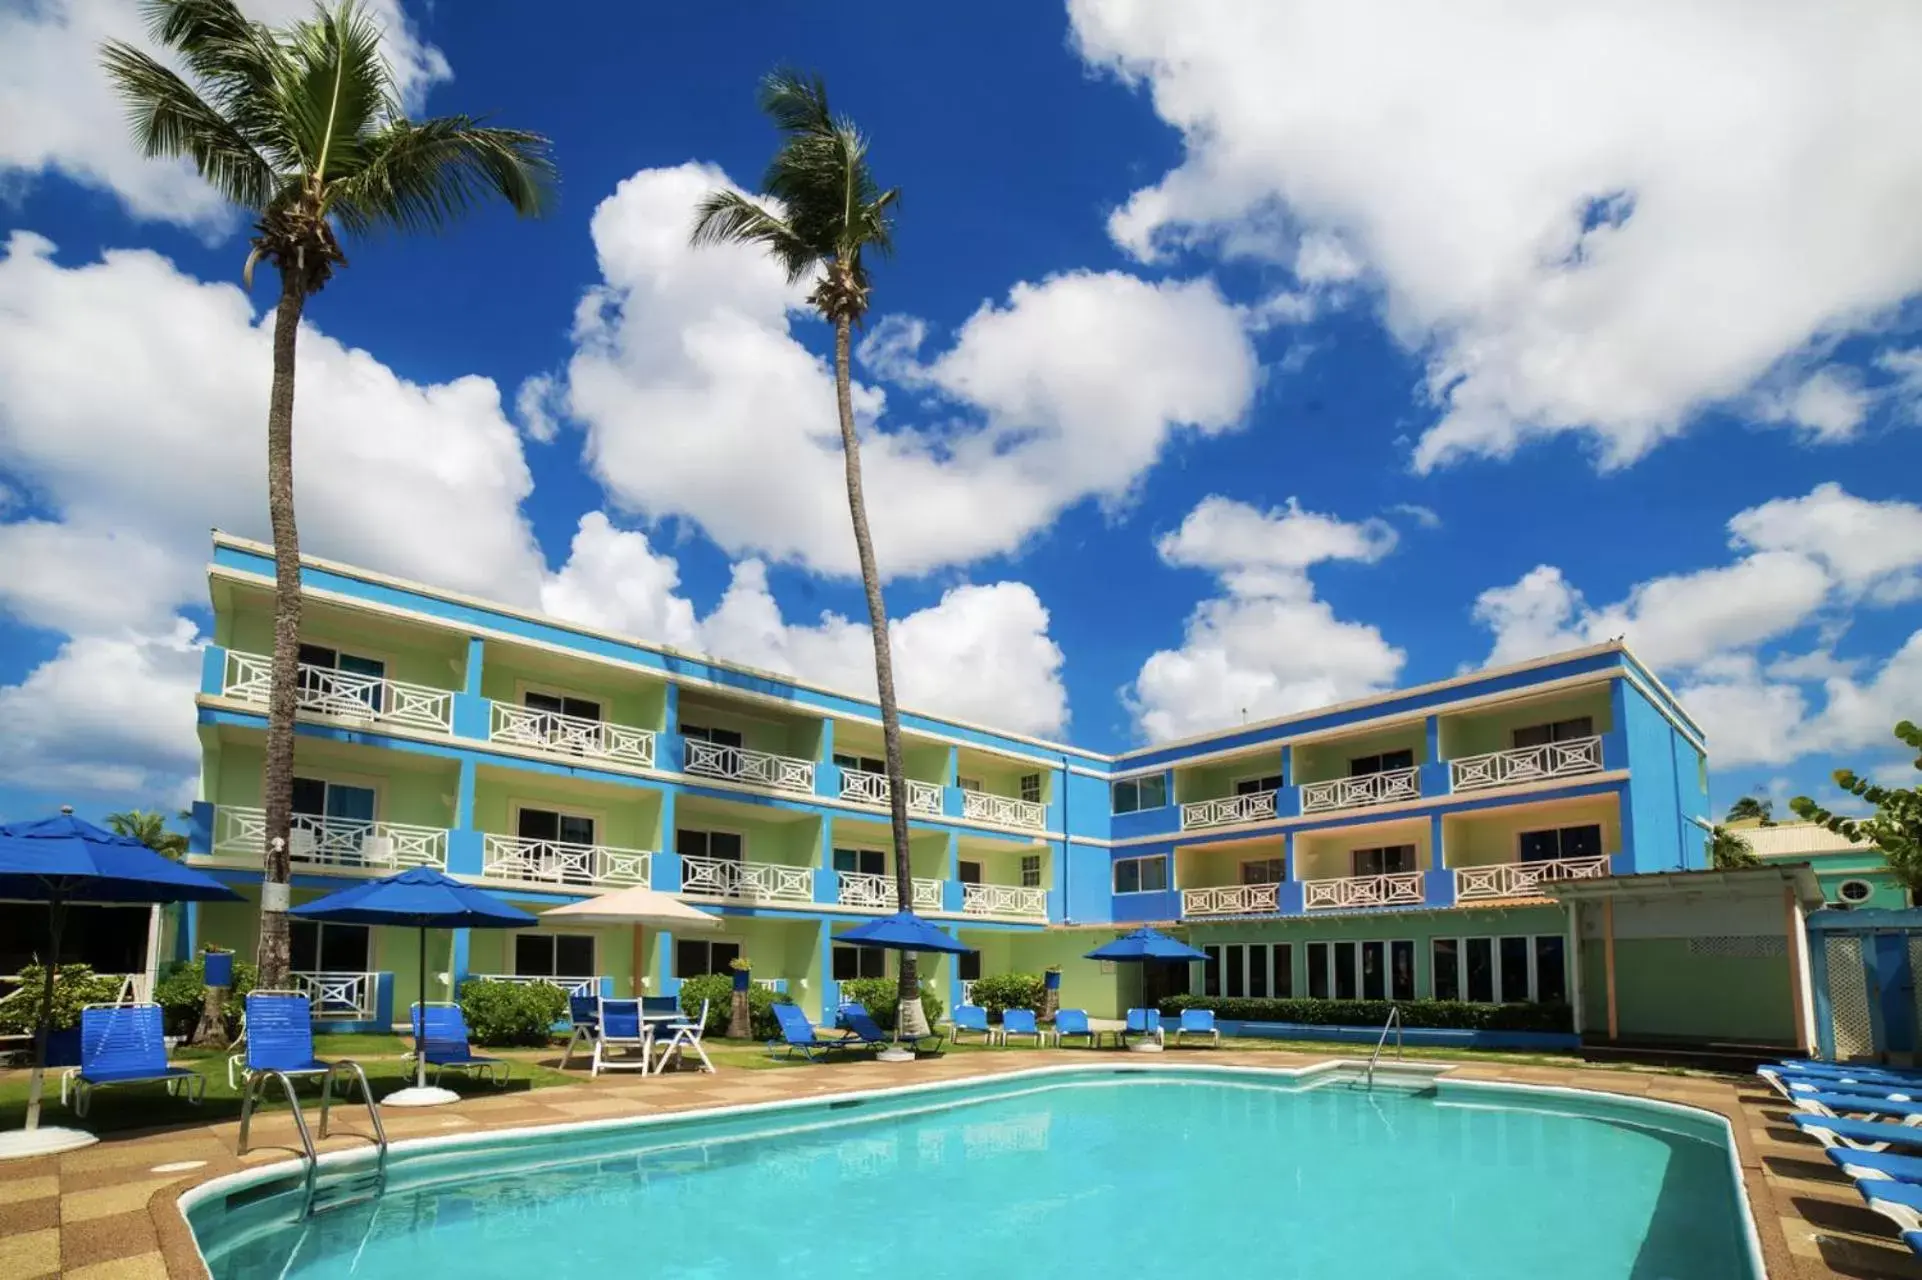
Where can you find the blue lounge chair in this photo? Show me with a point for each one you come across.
(1866, 1089)
(623, 1039)
(585, 1013)
(1142, 1024)
(971, 1017)
(440, 1031)
(1875, 1164)
(1863, 1135)
(124, 1044)
(1913, 1239)
(1899, 1202)
(1858, 1104)
(279, 1034)
(798, 1033)
(856, 1018)
(1198, 1022)
(1074, 1022)
(1019, 1022)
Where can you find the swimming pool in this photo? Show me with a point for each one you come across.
(1177, 1171)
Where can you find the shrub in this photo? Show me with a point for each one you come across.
(74, 987)
(508, 1013)
(879, 996)
(1443, 1014)
(718, 990)
(182, 989)
(1008, 991)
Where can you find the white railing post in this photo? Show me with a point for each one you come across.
(738, 764)
(1360, 790)
(570, 735)
(559, 862)
(1524, 879)
(1006, 810)
(339, 994)
(1396, 889)
(726, 878)
(317, 840)
(1003, 900)
(1231, 900)
(1526, 764)
(344, 695)
(1252, 806)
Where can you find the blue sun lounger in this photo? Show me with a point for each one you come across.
(1899, 1202)
(444, 1040)
(856, 1018)
(279, 1034)
(1913, 1239)
(1875, 1164)
(798, 1033)
(1074, 1022)
(123, 1044)
(1866, 1135)
(1020, 1022)
(1858, 1104)
(1783, 1077)
(971, 1017)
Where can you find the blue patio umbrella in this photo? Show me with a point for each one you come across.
(63, 860)
(1143, 945)
(420, 898)
(903, 931)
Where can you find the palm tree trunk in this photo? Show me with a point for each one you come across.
(281, 700)
(910, 988)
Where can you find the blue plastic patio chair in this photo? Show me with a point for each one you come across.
(584, 1012)
(278, 1031)
(970, 1017)
(1198, 1022)
(440, 1031)
(1019, 1022)
(1074, 1022)
(1142, 1024)
(623, 1039)
(657, 1005)
(124, 1044)
(798, 1033)
(856, 1018)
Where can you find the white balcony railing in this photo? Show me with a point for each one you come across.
(1525, 764)
(339, 995)
(570, 735)
(1252, 806)
(1523, 879)
(558, 862)
(1398, 889)
(332, 842)
(1230, 900)
(343, 694)
(579, 986)
(865, 889)
(1003, 900)
(1362, 789)
(872, 788)
(1006, 810)
(757, 881)
(738, 764)
(967, 991)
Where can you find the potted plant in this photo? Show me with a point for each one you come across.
(739, 1025)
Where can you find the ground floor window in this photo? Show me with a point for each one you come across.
(1369, 970)
(695, 957)
(865, 962)
(1140, 875)
(329, 948)
(1512, 969)
(1257, 970)
(968, 966)
(554, 955)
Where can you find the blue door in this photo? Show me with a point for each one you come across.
(1891, 992)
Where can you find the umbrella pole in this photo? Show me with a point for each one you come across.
(56, 917)
(420, 1027)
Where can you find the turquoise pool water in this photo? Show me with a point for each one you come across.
(1119, 1173)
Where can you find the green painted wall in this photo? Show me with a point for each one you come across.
(796, 736)
(625, 699)
(1480, 839)
(1479, 732)
(1215, 780)
(1326, 856)
(625, 817)
(1663, 988)
(1326, 761)
(1221, 865)
(420, 796)
(423, 656)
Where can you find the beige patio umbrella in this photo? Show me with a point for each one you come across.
(637, 906)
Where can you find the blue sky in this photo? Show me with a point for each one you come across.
(1227, 366)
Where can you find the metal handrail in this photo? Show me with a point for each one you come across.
(254, 1079)
(250, 1097)
(1394, 1021)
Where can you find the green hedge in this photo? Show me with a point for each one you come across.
(509, 1013)
(1456, 1015)
(181, 990)
(879, 996)
(74, 987)
(1008, 991)
(718, 990)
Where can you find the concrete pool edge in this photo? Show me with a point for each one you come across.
(170, 1206)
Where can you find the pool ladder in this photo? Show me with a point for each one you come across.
(256, 1085)
(1392, 1024)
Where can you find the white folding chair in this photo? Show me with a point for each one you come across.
(685, 1034)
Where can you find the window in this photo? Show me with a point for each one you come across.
(867, 862)
(1343, 954)
(1386, 762)
(1137, 794)
(330, 948)
(1234, 959)
(1030, 871)
(1374, 971)
(1447, 974)
(967, 784)
(1516, 955)
(1256, 969)
(719, 737)
(1393, 859)
(859, 962)
(1317, 971)
(554, 955)
(1031, 787)
(1551, 969)
(725, 845)
(1854, 892)
(331, 821)
(1540, 735)
(1562, 842)
(1255, 786)
(1401, 970)
(316, 682)
(546, 824)
(967, 872)
(1140, 875)
(1513, 969)
(865, 764)
(968, 966)
(694, 957)
(1263, 871)
(561, 704)
(1481, 969)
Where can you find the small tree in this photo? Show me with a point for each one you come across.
(1752, 807)
(151, 830)
(1728, 850)
(1895, 826)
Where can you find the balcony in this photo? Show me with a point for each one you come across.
(1252, 806)
(1523, 879)
(1343, 893)
(1525, 764)
(751, 881)
(339, 995)
(738, 764)
(519, 726)
(877, 892)
(1231, 900)
(1004, 900)
(872, 788)
(1005, 810)
(344, 695)
(526, 860)
(1360, 791)
(315, 841)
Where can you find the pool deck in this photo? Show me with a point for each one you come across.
(103, 1213)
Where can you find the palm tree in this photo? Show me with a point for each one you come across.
(302, 127)
(821, 212)
(1752, 807)
(149, 829)
(1729, 850)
